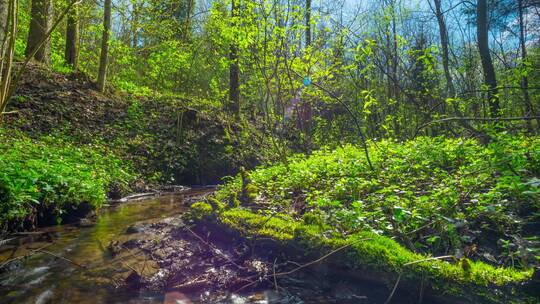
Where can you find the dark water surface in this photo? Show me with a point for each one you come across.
(46, 278)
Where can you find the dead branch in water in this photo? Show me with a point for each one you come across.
(412, 263)
(302, 266)
(31, 252)
(214, 250)
(62, 258)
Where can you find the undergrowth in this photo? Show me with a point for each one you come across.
(426, 197)
(433, 195)
(47, 177)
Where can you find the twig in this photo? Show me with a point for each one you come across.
(412, 263)
(5, 241)
(61, 257)
(274, 271)
(23, 256)
(313, 262)
(393, 289)
(280, 274)
(430, 259)
(9, 112)
(214, 249)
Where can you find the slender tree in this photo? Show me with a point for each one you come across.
(234, 69)
(40, 23)
(72, 38)
(305, 110)
(9, 31)
(443, 32)
(490, 78)
(104, 57)
(524, 79)
(4, 6)
(308, 23)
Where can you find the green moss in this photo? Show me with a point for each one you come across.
(253, 225)
(216, 204)
(379, 253)
(201, 210)
(251, 191)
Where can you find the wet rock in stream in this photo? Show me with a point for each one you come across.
(213, 267)
(189, 263)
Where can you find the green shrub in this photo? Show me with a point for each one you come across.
(51, 175)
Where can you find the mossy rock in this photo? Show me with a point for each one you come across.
(381, 255)
(201, 211)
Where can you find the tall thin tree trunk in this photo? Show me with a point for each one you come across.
(187, 22)
(308, 23)
(4, 6)
(72, 38)
(490, 78)
(134, 23)
(104, 57)
(234, 70)
(305, 110)
(8, 52)
(524, 79)
(40, 23)
(443, 31)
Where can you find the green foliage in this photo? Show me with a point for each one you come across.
(52, 175)
(368, 250)
(433, 195)
(201, 210)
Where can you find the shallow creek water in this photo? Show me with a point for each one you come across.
(71, 264)
(44, 278)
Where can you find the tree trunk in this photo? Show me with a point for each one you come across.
(234, 70)
(4, 6)
(72, 38)
(104, 57)
(9, 29)
(187, 23)
(529, 109)
(305, 111)
(490, 79)
(444, 48)
(40, 23)
(308, 23)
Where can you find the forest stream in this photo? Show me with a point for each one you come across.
(101, 262)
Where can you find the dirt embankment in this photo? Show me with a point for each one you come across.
(168, 140)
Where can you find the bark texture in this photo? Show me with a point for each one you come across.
(490, 79)
(40, 23)
(72, 38)
(234, 70)
(443, 31)
(104, 57)
(3, 24)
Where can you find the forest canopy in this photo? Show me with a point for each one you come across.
(385, 68)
